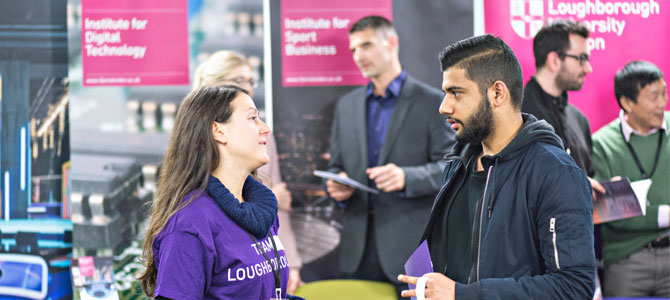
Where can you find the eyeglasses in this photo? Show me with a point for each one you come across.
(242, 81)
(582, 58)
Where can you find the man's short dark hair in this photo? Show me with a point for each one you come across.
(486, 59)
(381, 25)
(555, 36)
(633, 77)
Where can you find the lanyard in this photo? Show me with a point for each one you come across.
(637, 160)
(275, 273)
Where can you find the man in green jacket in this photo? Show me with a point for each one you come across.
(636, 256)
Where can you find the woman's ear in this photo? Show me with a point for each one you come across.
(218, 133)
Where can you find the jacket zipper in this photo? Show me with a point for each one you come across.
(552, 229)
(481, 218)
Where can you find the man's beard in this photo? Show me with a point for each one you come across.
(568, 82)
(478, 126)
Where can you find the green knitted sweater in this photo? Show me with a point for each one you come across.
(611, 157)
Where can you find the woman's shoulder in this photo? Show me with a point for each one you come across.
(199, 204)
(200, 212)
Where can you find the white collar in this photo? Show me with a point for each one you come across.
(627, 130)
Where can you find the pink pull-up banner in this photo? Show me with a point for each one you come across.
(315, 40)
(621, 31)
(128, 42)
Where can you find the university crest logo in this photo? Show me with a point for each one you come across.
(526, 17)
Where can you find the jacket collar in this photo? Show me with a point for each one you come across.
(532, 130)
(393, 90)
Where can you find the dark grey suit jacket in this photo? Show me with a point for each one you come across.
(416, 140)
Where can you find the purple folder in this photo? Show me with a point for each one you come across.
(419, 263)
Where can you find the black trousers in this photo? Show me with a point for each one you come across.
(370, 267)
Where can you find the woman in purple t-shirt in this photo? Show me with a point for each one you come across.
(213, 231)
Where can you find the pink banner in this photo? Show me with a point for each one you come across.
(86, 266)
(129, 42)
(315, 43)
(621, 31)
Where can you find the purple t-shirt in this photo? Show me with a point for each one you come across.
(202, 254)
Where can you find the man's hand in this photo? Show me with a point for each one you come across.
(438, 286)
(599, 187)
(596, 187)
(338, 191)
(388, 178)
(283, 196)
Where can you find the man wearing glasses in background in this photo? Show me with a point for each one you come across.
(562, 62)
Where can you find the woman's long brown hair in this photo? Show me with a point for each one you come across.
(190, 158)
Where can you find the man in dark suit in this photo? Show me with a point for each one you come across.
(388, 135)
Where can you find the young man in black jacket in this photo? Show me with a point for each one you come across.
(501, 227)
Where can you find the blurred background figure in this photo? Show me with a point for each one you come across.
(562, 62)
(231, 67)
(635, 145)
